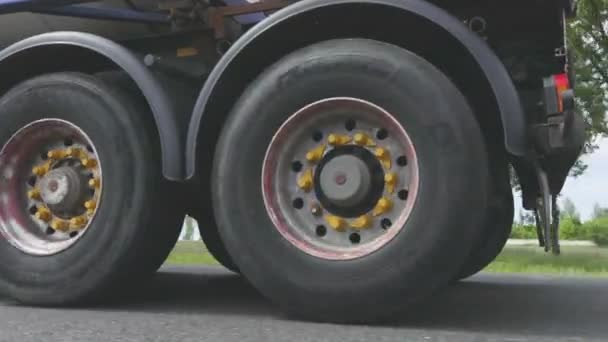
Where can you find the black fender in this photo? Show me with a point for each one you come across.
(231, 66)
(67, 51)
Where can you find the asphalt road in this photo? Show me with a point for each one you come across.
(210, 304)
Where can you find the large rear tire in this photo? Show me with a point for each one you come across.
(130, 227)
(497, 225)
(211, 237)
(308, 257)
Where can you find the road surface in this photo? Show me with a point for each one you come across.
(210, 304)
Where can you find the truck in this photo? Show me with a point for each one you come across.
(349, 158)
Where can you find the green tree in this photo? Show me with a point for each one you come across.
(570, 229)
(599, 212)
(588, 41)
(569, 211)
(597, 230)
(526, 218)
(189, 223)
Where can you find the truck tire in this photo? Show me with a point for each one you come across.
(497, 225)
(342, 181)
(128, 91)
(81, 173)
(211, 237)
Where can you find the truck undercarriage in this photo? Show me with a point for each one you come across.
(317, 142)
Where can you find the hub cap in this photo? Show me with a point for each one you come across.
(62, 189)
(50, 184)
(345, 180)
(340, 178)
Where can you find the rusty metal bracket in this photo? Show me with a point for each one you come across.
(217, 15)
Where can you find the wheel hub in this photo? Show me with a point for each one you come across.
(51, 183)
(348, 181)
(345, 180)
(339, 178)
(62, 189)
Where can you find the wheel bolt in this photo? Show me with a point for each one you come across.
(316, 209)
(384, 156)
(33, 194)
(362, 222)
(91, 204)
(391, 180)
(40, 170)
(78, 222)
(305, 182)
(363, 139)
(60, 225)
(315, 155)
(338, 140)
(337, 223)
(88, 163)
(94, 183)
(384, 205)
(56, 154)
(381, 152)
(72, 152)
(43, 214)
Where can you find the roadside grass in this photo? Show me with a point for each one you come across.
(190, 253)
(574, 261)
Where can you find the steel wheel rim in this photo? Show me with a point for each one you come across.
(50, 186)
(300, 222)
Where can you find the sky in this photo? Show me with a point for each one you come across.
(592, 186)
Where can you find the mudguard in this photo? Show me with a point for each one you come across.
(29, 57)
(507, 98)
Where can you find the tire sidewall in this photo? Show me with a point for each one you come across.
(497, 224)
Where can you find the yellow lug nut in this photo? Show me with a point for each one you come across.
(41, 170)
(391, 180)
(381, 152)
(94, 183)
(362, 222)
(336, 222)
(305, 182)
(338, 140)
(56, 154)
(384, 156)
(34, 194)
(88, 163)
(315, 155)
(44, 214)
(383, 206)
(78, 222)
(73, 152)
(363, 139)
(60, 225)
(38, 171)
(91, 204)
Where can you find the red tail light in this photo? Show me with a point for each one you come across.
(562, 84)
